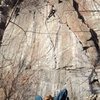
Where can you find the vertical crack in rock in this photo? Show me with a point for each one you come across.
(94, 84)
(56, 43)
(94, 38)
(53, 46)
(76, 7)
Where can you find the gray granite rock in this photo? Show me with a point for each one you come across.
(50, 46)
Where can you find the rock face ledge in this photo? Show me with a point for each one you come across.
(50, 45)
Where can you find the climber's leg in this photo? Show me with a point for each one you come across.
(62, 95)
(38, 97)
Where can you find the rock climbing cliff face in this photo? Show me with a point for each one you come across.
(49, 45)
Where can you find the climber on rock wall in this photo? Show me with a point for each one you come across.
(63, 95)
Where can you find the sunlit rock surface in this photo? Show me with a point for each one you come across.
(44, 52)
